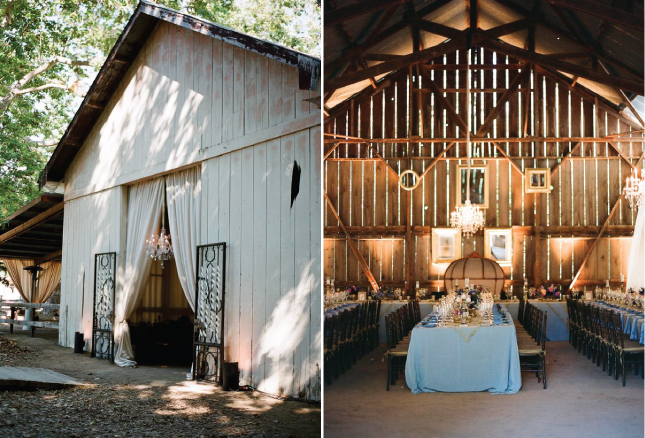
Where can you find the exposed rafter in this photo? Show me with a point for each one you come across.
(601, 10)
(346, 13)
(630, 85)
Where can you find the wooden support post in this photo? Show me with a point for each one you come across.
(537, 267)
(409, 259)
(353, 247)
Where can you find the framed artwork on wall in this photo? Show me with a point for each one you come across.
(498, 245)
(478, 185)
(446, 245)
(538, 181)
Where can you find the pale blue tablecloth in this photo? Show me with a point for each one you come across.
(464, 359)
(388, 307)
(632, 321)
(557, 322)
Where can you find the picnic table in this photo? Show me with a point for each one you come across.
(15, 305)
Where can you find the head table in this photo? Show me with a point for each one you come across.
(468, 358)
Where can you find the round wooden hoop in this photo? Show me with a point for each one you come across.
(404, 187)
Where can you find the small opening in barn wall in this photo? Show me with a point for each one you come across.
(295, 182)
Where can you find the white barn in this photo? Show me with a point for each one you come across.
(226, 118)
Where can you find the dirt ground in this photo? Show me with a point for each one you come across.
(145, 401)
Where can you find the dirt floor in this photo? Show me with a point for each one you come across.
(144, 401)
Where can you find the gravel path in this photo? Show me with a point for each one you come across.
(136, 402)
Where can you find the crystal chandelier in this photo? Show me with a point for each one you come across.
(468, 218)
(159, 247)
(634, 190)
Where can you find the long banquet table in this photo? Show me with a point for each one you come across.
(632, 320)
(463, 359)
(557, 327)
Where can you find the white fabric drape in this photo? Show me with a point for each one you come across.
(636, 270)
(48, 280)
(21, 278)
(183, 192)
(144, 218)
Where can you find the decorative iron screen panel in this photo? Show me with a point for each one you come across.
(104, 288)
(209, 312)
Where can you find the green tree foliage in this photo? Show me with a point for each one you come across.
(35, 32)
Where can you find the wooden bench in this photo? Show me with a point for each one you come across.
(33, 324)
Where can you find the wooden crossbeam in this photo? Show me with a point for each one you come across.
(437, 29)
(601, 10)
(624, 97)
(499, 106)
(623, 156)
(331, 151)
(562, 80)
(633, 86)
(502, 153)
(48, 257)
(340, 15)
(404, 61)
(353, 247)
(512, 27)
(568, 156)
(436, 160)
(529, 139)
(33, 222)
(558, 31)
(602, 231)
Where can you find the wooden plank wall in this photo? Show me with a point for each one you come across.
(371, 204)
(184, 95)
(92, 225)
(273, 276)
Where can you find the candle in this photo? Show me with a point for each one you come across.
(622, 278)
(607, 284)
(417, 285)
(467, 281)
(328, 280)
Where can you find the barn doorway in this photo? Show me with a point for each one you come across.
(161, 327)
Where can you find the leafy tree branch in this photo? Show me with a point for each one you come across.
(17, 88)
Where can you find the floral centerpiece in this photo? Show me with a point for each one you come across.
(384, 293)
(532, 292)
(554, 290)
(352, 290)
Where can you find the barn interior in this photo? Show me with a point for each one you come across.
(532, 113)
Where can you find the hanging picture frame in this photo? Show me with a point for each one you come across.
(498, 245)
(478, 185)
(538, 180)
(446, 245)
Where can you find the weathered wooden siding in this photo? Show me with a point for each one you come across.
(273, 273)
(186, 97)
(93, 224)
(189, 100)
(585, 186)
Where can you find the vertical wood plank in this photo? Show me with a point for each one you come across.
(261, 254)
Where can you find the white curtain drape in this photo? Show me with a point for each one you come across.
(636, 270)
(183, 192)
(48, 280)
(144, 218)
(21, 278)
